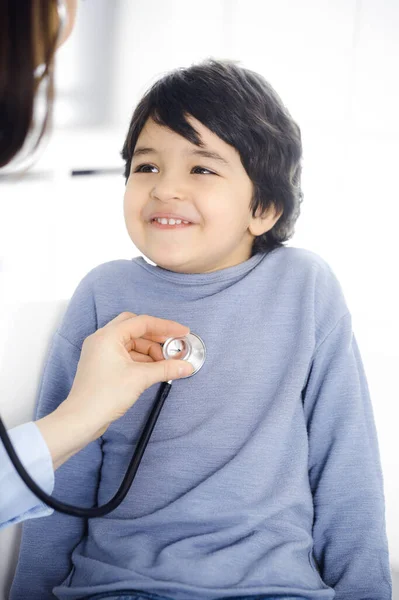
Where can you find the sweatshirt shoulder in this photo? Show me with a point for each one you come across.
(313, 280)
(113, 274)
(80, 318)
(109, 270)
(312, 267)
(304, 259)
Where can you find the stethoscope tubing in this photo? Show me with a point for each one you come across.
(98, 511)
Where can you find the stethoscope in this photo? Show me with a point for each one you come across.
(190, 348)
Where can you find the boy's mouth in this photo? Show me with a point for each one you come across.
(163, 223)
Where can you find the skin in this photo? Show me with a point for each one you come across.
(214, 194)
(72, 6)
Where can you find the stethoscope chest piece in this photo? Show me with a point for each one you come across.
(189, 347)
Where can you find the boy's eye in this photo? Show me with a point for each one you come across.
(204, 171)
(147, 168)
(144, 169)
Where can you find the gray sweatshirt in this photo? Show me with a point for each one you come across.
(263, 473)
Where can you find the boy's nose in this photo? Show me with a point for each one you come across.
(164, 195)
(168, 189)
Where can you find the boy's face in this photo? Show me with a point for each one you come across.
(207, 186)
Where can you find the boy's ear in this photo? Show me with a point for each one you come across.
(263, 222)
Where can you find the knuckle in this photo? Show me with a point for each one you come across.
(88, 341)
(126, 314)
(98, 335)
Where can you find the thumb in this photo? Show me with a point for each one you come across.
(164, 370)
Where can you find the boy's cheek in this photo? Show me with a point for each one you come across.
(131, 218)
(130, 203)
(136, 194)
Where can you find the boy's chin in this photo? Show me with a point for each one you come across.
(177, 264)
(174, 268)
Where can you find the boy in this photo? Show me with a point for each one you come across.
(262, 477)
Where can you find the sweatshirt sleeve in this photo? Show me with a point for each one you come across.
(349, 533)
(47, 543)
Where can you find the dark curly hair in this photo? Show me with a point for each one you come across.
(242, 108)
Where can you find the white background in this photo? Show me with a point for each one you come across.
(334, 63)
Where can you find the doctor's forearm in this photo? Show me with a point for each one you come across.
(66, 431)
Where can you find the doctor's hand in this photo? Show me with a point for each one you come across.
(117, 363)
(121, 360)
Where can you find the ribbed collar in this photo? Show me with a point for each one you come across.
(228, 275)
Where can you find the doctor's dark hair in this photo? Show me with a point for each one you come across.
(26, 32)
(242, 109)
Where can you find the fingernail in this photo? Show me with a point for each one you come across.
(186, 370)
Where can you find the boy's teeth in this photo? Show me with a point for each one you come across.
(164, 221)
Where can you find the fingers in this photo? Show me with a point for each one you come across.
(160, 338)
(147, 326)
(152, 328)
(167, 369)
(146, 347)
(140, 358)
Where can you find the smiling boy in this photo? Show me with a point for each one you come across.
(262, 478)
(166, 182)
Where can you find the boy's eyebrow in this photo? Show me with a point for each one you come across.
(141, 150)
(209, 154)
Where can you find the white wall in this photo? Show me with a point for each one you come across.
(334, 63)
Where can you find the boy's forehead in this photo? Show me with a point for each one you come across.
(153, 131)
(160, 137)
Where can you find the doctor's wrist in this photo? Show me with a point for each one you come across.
(68, 430)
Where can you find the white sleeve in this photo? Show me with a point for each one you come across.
(17, 502)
